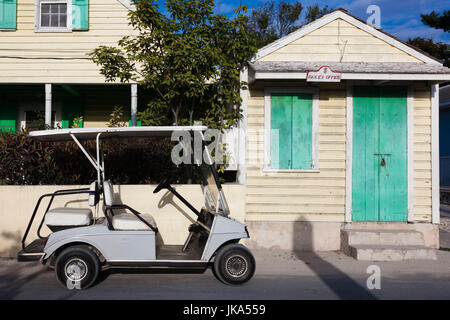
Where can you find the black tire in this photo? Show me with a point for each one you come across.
(234, 264)
(77, 267)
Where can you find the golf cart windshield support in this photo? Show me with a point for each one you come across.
(98, 165)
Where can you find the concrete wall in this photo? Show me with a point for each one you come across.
(173, 217)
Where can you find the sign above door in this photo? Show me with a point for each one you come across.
(323, 74)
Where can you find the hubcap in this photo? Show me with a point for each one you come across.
(76, 269)
(236, 266)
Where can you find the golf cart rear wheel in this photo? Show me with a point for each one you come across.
(234, 264)
(77, 267)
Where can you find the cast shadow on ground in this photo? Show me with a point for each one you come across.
(341, 284)
(12, 282)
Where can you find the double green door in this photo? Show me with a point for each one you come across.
(379, 154)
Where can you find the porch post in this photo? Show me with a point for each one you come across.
(48, 104)
(133, 104)
(435, 185)
(242, 130)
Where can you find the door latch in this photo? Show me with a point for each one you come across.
(383, 162)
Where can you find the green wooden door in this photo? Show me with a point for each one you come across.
(379, 154)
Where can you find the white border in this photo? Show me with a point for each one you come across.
(315, 126)
(435, 216)
(338, 14)
(37, 16)
(349, 154)
(128, 4)
(409, 151)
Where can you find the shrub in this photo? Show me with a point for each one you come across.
(24, 161)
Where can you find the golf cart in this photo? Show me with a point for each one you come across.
(80, 245)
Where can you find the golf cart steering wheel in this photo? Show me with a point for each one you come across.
(161, 185)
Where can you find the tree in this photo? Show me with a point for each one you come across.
(314, 12)
(274, 20)
(438, 50)
(189, 57)
(437, 21)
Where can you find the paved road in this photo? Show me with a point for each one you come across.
(330, 275)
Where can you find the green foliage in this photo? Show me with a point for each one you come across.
(438, 50)
(77, 122)
(189, 57)
(117, 117)
(436, 20)
(274, 20)
(314, 13)
(155, 115)
(24, 161)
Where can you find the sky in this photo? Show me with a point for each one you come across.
(400, 18)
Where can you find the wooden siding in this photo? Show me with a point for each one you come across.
(422, 153)
(312, 196)
(321, 196)
(107, 24)
(339, 41)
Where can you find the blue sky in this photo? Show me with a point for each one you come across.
(400, 18)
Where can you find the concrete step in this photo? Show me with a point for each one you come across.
(381, 237)
(390, 253)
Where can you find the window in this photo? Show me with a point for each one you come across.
(291, 129)
(32, 115)
(35, 119)
(54, 15)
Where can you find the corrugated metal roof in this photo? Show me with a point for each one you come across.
(351, 67)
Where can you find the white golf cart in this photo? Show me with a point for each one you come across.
(80, 246)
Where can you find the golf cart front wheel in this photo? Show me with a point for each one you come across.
(77, 267)
(234, 264)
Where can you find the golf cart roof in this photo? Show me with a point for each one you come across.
(91, 133)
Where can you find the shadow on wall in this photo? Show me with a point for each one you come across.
(15, 238)
(167, 199)
(342, 285)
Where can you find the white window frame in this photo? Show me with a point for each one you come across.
(37, 17)
(315, 126)
(33, 106)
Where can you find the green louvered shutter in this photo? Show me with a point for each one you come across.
(302, 131)
(80, 14)
(8, 14)
(70, 111)
(8, 116)
(291, 131)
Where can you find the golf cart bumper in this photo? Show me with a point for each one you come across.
(33, 252)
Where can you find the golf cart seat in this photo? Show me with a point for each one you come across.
(125, 221)
(64, 218)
